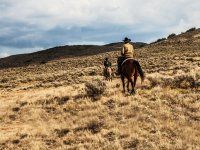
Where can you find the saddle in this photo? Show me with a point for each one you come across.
(126, 59)
(121, 60)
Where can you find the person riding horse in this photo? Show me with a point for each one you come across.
(128, 67)
(126, 52)
(107, 63)
(107, 69)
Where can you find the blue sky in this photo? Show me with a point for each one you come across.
(32, 25)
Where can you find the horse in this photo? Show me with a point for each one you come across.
(108, 73)
(131, 68)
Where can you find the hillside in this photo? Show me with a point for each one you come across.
(44, 56)
(65, 103)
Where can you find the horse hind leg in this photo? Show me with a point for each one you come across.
(135, 78)
(128, 86)
(134, 83)
(123, 83)
(133, 90)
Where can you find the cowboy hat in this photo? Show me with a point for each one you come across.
(126, 39)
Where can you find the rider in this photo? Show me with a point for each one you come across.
(126, 52)
(107, 64)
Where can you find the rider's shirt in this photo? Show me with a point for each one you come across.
(107, 64)
(127, 50)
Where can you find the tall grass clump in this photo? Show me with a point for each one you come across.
(95, 88)
(182, 81)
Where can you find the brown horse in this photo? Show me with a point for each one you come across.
(131, 69)
(108, 73)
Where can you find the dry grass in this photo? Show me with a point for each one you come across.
(66, 104)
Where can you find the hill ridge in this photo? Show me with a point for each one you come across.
(187, 38)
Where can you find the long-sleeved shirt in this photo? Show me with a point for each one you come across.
(107, 64)
(127, 50)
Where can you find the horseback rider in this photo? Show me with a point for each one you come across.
(126, 52)
(107, 64)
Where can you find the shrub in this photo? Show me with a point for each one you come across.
(153, 81)
(29, 61)
(95, 88)
(43, 62)
(192, 29)
(62, 100)
(182, 81)
(94, 126)
(62, 132)
(171, 35)
(159, 40)
(4, 80)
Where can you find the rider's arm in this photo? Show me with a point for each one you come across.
(122, 51)
(133, 51)
(104, 63)
(110, 64)
(134, 54)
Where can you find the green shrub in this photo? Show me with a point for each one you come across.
(181, 81)
(159, 40)
(94, 126)
(192, 29)
(95, 88)
(171, 35)
(184, 82)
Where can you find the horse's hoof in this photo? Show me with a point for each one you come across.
(132, 93)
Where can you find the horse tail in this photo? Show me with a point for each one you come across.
(139, 68)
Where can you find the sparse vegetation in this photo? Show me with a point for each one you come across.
(171, 35)
(191, 29)
(66, 104)
(95, 88)
(159, 40)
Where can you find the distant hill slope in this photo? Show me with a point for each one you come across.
(187, 40)
(60, 52)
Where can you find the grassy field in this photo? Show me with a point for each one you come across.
(67, 104)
